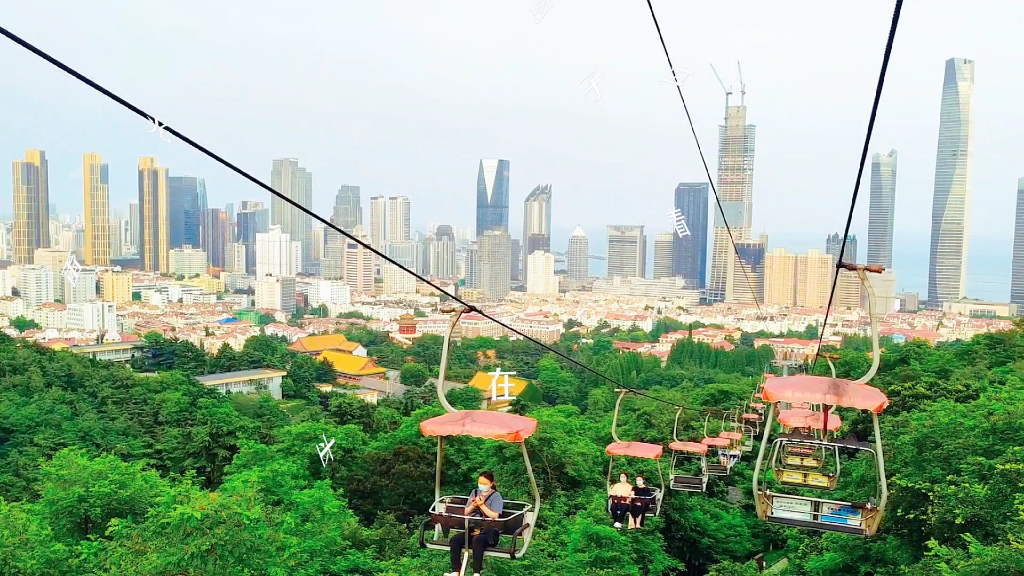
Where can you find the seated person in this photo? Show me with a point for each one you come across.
(484, 502)
(620, 495)
(642, 502)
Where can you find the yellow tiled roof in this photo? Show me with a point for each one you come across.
(320, 342)
(482, 381)
(350, 364)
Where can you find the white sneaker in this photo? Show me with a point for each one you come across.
(451, 574)
(617, 525)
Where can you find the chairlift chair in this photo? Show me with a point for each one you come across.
(857, 518)
(618, 448)
(516, 524)
(683, 452)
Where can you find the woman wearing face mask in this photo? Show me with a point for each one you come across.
(620, 495)
(642, 496)
(484, 502)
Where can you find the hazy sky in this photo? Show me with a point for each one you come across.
(405, 97)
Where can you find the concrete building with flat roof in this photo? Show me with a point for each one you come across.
(246, 381)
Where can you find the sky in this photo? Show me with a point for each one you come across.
(402, 97)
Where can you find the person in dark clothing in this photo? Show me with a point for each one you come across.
(643, 498)
(484, 502)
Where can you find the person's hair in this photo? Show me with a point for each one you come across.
(489, 475)
(621, 474)
(640, 477)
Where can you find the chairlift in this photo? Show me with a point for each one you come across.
(724, 454)
(798, 457)
(684, 456)
(857, 518)
(447, 513)
(618, 448)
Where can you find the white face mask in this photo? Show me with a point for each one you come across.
(483, 488)
(623, 479)
(639, 482)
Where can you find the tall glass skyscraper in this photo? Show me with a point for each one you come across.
(947, 266)
(296, 183)
(736, 191)
(834, 243)
(690, 252)
(1017, 270)
(882, 209)
(348, 210)
(492, 196)
(183, 210)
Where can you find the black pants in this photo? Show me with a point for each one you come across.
(479, 543)
(638, 511)
(619, 511)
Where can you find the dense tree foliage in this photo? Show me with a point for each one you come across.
(105, 470)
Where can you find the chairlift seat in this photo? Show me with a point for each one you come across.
(688, 483)
(448, 514)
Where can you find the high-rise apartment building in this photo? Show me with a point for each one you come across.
(97, 210)
(736, 191)
(134, 234)
(947, 267)
(252, 219)
(536, 224)
(882, 209)
(378, 221)
(745, 281)
(154, 217)
(35, 283)
(471, 266)
(690, 251)
(277, 254)
(397, 279)
(217, 236)
(814, 279)
(627, 252)
(31, 194)
(1017, 262)
(492, 196)
(541, 273)
(399, 226)
(495, 252)
(577, 258)
(834, 243)
(187, 261)
(780, 278)
(295, 182)
(442, 253)
(84, 288)
(663, 256)
(115, 287)
(183, 210)
(276, 293)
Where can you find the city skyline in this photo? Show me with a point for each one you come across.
(814, 186)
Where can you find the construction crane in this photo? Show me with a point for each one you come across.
(743, 87)
(728, 91)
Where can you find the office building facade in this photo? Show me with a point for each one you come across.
(627, 252)
(492, 185)
(295, 182)
(882, 209)
(31, 194)
(690, 251)
(96, 181)
(154, 217)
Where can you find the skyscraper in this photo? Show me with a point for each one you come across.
(252, 219)
(947, 267)
(834, 243)
(814, 279)
(736, 191)
(348, 210)
(577, 259)
(492, 196)
(293, 181)
(536, 224)
(154, 219)
(542, 279)
(277, 254)
(217, 236)
(627, 252)
(745, 281)
(183, 210)
(399, 226)
(495, 264)
(882, 210)
(31, 193)
(780, 278)
(442, 253)
(1017, 265)
(133, 225)
(359, 263)
(378, 221)
(663, 257)
(397, 279)
(690, 252)
(97, 211)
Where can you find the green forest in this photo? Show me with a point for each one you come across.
(140, 470)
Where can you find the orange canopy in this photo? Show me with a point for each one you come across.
(482, 424)
(758, 395)
(749, 416)
(757, 405)
(717, 442)
(804, 388)
(635, 449)
(694, 447)
(730, 435)
(808, 419)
